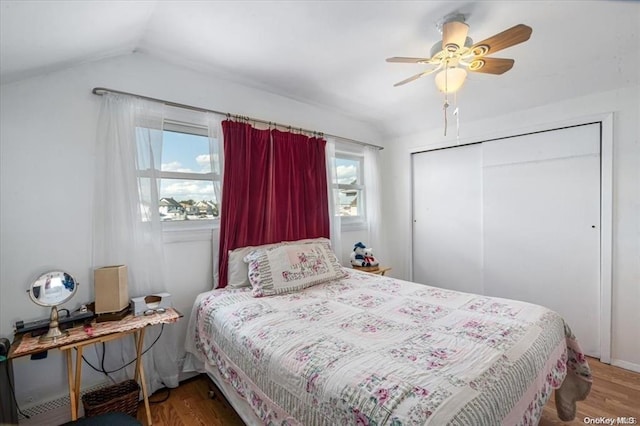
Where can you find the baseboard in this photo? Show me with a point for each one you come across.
(54, 411)
(58, 411)
(626, 365)
(56, 415)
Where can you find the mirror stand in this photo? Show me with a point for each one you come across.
(54, 329)
(52, 289)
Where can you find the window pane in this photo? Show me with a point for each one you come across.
(184, 199)
(182, 152)
(347, 171)
(350, 200)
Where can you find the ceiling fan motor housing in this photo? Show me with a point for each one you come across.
(437, 47)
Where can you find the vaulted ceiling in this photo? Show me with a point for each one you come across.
(332, 53)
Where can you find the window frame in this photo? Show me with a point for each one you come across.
(359, 222)
(186, 230)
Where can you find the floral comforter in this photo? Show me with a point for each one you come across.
(372, 350)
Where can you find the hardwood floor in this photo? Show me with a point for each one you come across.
(615, 393)
(190, 405)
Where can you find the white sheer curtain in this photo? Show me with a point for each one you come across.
(334, 203)
(372, 196)
(127, 227)
(216, 159)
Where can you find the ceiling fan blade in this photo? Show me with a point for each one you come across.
(403, 59)
(417, 76)
(454, 33)
(491, 65)
(408, 80)
(507, 38)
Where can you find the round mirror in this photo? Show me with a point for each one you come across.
(52, 289)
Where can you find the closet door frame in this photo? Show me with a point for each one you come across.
(606, 205)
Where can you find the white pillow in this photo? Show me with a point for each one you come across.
(237, 271)
(291, 267)
(237, 268)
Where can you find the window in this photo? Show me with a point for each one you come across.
(350, 187)
(185, 171)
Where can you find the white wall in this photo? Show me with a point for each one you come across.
(624, 104)
(48, 131)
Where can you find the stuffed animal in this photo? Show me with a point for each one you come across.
(362, 256)
(369, 257)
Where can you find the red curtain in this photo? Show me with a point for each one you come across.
(245, 183)
(299, 205)
(274, 189)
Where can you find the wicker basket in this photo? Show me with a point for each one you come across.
(118, 398)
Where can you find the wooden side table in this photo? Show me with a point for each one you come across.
(378, 270)
(101, 332)
(381, 270)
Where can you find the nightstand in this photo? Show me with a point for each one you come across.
(377, 270)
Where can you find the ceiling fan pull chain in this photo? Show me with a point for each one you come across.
(455, 112)
(444, 110)
(446, 91)
(445, 121)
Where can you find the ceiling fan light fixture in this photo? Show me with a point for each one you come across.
(476, 64)
(481, 50)
(450, 80)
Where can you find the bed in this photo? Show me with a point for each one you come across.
(358, 348)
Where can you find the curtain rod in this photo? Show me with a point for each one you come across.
(102, 90)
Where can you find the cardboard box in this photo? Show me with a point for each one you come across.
(152, 302)
(111, 288)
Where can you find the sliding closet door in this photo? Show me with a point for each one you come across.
(541, 224)
(517, 218)
(447, 234)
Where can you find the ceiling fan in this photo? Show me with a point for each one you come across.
(456, 53)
